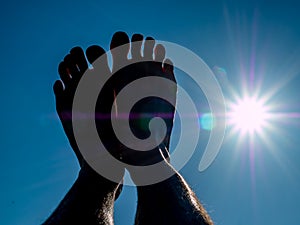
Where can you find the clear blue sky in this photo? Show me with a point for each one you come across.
(256, 42)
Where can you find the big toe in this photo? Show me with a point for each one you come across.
(94, 52)
(119, 47)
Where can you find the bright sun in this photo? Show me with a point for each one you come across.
(248, 115)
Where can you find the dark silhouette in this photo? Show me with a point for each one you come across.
(91, 198)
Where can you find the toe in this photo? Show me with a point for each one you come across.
(148, 48)
(136, 45)
(58, 88)
(58, 91)
(64, 73)
(94, 52)
(78, 55)
(159, 53)
(169, 69)
(71, 65)
(118, 39)
(119, 47)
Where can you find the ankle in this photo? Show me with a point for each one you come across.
(146, 176)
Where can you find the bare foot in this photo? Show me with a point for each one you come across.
(71, 69)
(143, 111)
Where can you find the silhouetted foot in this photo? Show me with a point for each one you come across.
(150, 62)
(71, 69)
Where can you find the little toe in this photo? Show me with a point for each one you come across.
(136, 46)
(148, 48)
(169, 69)
(58, 88)
(119, 47)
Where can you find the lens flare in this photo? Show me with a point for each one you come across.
(207, 121)
(248, 115)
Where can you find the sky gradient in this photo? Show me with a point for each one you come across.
(254, 179)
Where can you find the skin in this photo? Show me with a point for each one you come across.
(169, 202)
(91, 198)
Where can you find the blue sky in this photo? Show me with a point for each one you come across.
(252, 181)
